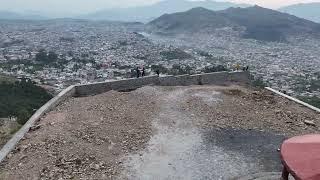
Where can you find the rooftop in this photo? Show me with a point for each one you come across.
(193, 132)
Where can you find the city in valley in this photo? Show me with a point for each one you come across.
(174, 89)
(93, 51)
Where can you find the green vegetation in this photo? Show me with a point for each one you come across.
(180, 70)
(22, 65)
(20, 99)
(159, 68)
(205, 54)
(45, 57)
(314, 101)
(52, 59)
(175, 54)
(258, 82)
(185, 69)
(4, 78)
(209, 69)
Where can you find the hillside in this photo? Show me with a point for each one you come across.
(267, 24)
(310, 11)
(146, 13)
(8, 15)
(260, 23)
(20, 99)
(188, 22)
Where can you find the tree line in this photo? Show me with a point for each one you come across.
(20, 99)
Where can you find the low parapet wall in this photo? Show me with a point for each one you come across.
(218, 78)
(121, 85)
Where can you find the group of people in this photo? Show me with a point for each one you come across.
(140, 72)
(246, 68)
(237, 67)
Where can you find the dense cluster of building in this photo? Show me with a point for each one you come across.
(98, 51)
(292, 65)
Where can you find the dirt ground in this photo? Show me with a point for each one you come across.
(160, 133)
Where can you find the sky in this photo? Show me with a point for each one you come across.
(76, 7)
(274, 4)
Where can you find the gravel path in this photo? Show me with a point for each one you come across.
(195, 132)
(177, 150)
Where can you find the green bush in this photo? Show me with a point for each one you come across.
(258, 82)
(21, 99)
(314, 101)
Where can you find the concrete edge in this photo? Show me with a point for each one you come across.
(10, 145)
(294, 99)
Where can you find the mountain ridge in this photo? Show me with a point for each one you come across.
(147, 13)
(310, 11)
(259, 23)
(9, 15)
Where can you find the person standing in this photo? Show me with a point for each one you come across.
(138, 72)
(143, 72)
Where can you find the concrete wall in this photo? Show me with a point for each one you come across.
(121, 85)
(217, 78)
(183, 80)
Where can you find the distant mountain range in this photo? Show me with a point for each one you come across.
(310, 11)
(147, 13)
(7, 15)
(257, 22)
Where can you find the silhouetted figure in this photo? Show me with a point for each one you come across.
(247, 68)
(158, 72)
(138, 72)
(143, 72)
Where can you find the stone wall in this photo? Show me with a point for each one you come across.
(121, 85)
(218, 78)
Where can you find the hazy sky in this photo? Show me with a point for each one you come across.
(274, 3)
(71, 7)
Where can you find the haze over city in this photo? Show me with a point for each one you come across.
(61, 8)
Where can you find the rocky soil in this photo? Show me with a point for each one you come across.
(84, 138)
(243, 108)
(139, 134)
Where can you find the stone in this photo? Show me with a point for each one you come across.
(310, 123)
(34, 128)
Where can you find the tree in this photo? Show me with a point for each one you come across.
(22, 116)
(41, 56)
(258, 82)
(21, 98)
(159, 68)
(52, 56)
(219, 68)
(44, 57)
